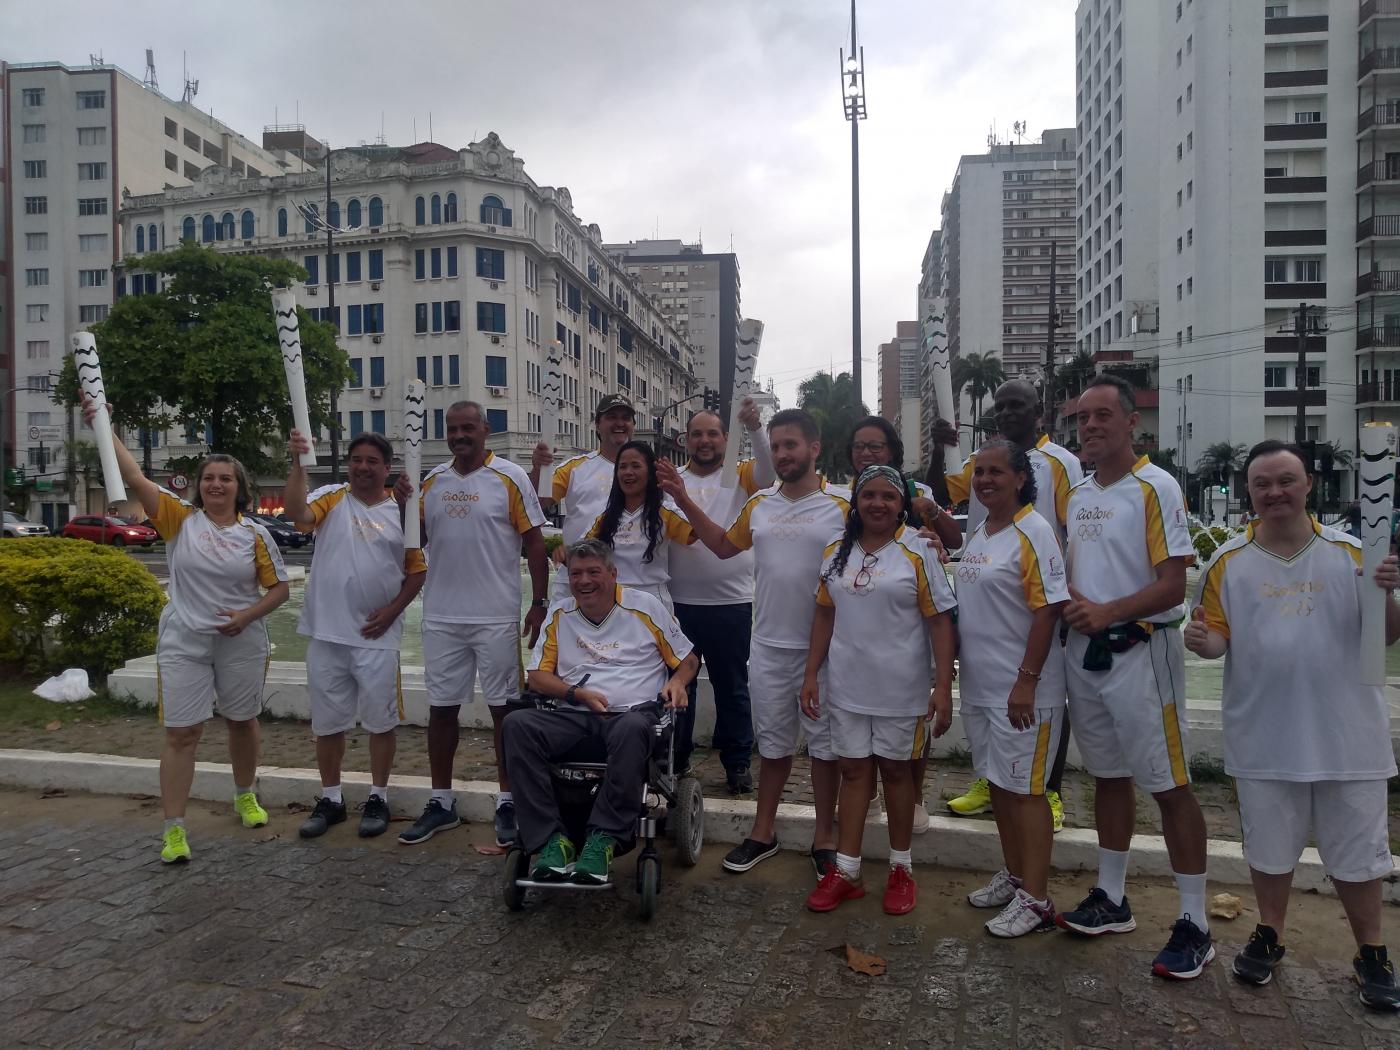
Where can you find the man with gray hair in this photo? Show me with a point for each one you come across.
(612, 657)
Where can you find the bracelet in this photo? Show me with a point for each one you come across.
(1028, 673)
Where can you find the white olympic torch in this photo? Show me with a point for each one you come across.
(745, 363)
(415, 420)
(90, 383)
(284, 307)
(551, 396)
(1378, 441)
(935, 340)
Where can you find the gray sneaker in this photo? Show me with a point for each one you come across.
(435, 818)
(505, 824)
(374, 817)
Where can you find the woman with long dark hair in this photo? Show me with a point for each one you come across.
(882, 619)
(640, 524)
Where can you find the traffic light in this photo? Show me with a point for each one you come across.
(1224, 490)
(710, 400)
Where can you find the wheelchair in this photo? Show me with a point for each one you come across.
(670, 804)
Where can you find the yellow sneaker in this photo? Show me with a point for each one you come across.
(252, 814)
(175, 848)
(977, 799)
(1057, 810)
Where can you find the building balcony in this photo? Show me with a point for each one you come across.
(1385, 115)
(1378, 9)
(1296, 78)
(1294, 238)
(1378, 337)
(1378, 226)
(1288, 344)
(1296, 184)
(1296, 290)
(1378, 60)
(1297, 24)
(1376, 172)
(1379, 392)
(1378, 282)
(1289, 398)
(1282, 132)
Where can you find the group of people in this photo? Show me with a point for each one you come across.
(823, 614)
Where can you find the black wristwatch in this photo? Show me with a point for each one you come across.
(569, 694)
(539, 603)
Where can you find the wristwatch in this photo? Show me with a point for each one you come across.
(539, 603)
(569, 694)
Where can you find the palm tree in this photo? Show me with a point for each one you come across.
(833, 404)
(981, 374)
(1220, 460)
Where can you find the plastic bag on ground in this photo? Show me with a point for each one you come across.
(66, 688)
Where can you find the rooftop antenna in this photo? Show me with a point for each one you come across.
(150, 81)
(191, 86)
(1020, 129)
(430, 125)
(95, 59)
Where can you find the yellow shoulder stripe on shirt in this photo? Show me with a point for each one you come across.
(1032, 576)
(170, 515)
(560, 487)
(1212, 583)
(325, 503)
(519, 519)
(960, 484)
(414, 562)
(748, 480)
(926, 605)
(667, 653)
(741, 532)
(1156, 528)
(267, 571)
(549, 655)
(677, 529)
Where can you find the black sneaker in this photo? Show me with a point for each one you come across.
(435, 818)
(505, 823)
(1096, 914)
(374, 817)
(1257, 960)
(1188, 951)
(1376, 976)
(748, 853)
(740, 781)
(322, 817)
(823, 861)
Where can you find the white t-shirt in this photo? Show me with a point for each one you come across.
(1002, 580)
(1293, 705)
(214, 567)
(359, 566)
(1119, 535)
(628, 657)
(581, 485)
(629, 544)
(698, 577)
(1057, 470)
(472, 527)
(880, 658)
(788, 538)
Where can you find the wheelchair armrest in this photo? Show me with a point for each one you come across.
(539, 701)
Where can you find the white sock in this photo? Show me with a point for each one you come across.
(848, 866)
(174, 822)
(445, 797)
(503, 798)
(1192, 889)
(900, 858)
(1113, 873)
(333, 794)
(241, 791)
(382, 792)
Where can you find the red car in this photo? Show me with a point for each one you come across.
(109, 530)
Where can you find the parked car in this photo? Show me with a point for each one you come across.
(111, 530)
(17, 526)
(282, 534)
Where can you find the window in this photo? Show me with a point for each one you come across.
(454, 371)
(1178, 151)
(352, 266)
(172, 130)
(452, 315)
(1307, 270)
(420, 318)
(449, 213)
(97, 242)
(333, 214)
(374, 318)
(1188, 45)
(191, 171)
(93, 314)
(1190, 329)
(451, 262)
(1190, 188)
(376, 264)
(1275, 10)
(35, 133)
(1190, 236)
(36, 349)
(32, 96)
(92, 100)
(1178, 293)
(491, 264)
(226, 226)
(92, 136)
(1190, 285)
(353, 213)
(245, 223)
(376, 421)
(490, 317)
(192, 141)
(1308, 117)
(624, 377)
(1178, 246)
(213, 152)
(438, 430)
(38, 169)
(495, 371)
(312, 264)
(423, 369)
(281, 222)
(92, 278)
(151, 237)
(376, 212)
(436, 264)
(437, 317)
(376, 371)
(35, 313)
(187, 229)
(36, 278)
(494, 211)
(92, 205)
(40, 383)
(419, 212)
(437, 370)
(1190, 140)
(36, 205)
(498, 420)
(310, 214)
(1313, 376)
(357, 422)
(420, 271)
(209, 230)
(140, 239)
(353, 325)
(357, 374)
(436, 209)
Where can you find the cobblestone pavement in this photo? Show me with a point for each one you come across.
(265, 941)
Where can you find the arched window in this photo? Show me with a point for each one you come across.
(247, 222)
(418, 212)
(208, 231)
(352, 213)
(311, 212)
(450, 213)
(226, 227)
(151, 239)
(140, 238)
(437, 209)
(333, 214)
(376, 212)
(494, 211)
(281, 222)
(187, 228)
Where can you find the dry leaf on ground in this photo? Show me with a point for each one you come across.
(54, 726)
(489, 849)
(1225, 906)
(859, 961)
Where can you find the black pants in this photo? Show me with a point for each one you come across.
(534, 739)
(720, 634)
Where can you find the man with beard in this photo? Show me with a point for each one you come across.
(478, 510)
(714, 598)
(788, 527)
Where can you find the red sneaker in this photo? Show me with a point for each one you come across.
(832, 890)
(900, 892)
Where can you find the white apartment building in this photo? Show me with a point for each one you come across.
(455, 267)
(77, 141)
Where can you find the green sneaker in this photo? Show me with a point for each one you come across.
(555, 860)
(595, 861)
(252, 814)
(977, 799)
(1057, 810)
(175, 848)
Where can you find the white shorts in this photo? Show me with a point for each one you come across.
(197, 672)
(1015, 760)
(1349, 819)
(856, 735)
(345, 681)
(455, 655)
(1130, 721)
(775, 690)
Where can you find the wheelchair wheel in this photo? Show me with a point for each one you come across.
(517, 867)
(648, 882)
(689, 820)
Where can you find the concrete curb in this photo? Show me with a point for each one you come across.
(965, 844)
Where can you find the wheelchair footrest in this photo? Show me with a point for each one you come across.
(533, 884)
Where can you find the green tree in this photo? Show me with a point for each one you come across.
(833, 404)
(203, 351)
(1220, 460)
(981, 374)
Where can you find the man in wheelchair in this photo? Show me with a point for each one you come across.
(630, 650)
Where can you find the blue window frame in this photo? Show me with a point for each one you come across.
(450, 212)
(376, 421)
(357, 376)
(420, 318)
(312, 211)
(312, 264)
(376, 264)
(437, 370)
(333, 214)
(357, 423)
(209, 232)
(451, 262)
(374, 318)
(491, 264)
(435, 269)
(246, 222)
(352, 319)
(420, 269)
(140, 238)
(281, 222)
(436, 209)
(494, 211)
(437, 317)
(352, 266)
(333, 268)
(452, 315)
(624, 339)
(438, 430)
(495, 371)
(187, 229)
(151, 237)
(418, 212)
(490, 317)
(226, 226)
(497, 420)
(454, 371)
(376, 371)
(353, 213)
(423, 369)
(376, 212)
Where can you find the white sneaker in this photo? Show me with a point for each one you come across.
(1022, 915)
(996, 894)
(921, 821)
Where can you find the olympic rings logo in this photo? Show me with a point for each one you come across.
(969, 573)
(1090, 531)
(787, 532)
(457, 510)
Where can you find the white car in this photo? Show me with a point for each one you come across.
(16, 526)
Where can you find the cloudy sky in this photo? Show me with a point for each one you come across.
(719, 118)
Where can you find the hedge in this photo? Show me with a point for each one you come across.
(73, 603)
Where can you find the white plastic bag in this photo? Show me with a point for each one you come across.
(66, 688)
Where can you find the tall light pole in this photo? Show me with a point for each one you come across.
(853, 100)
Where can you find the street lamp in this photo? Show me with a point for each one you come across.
(853, 102)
